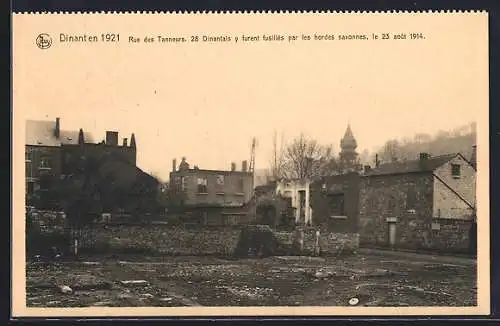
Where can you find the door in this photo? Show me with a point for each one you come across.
(204, 217)
(302, 206)
(392, 234)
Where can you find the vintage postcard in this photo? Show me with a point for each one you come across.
(250, 164)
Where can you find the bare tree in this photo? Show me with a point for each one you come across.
(278, 159)
(390, 151)
(306, 159)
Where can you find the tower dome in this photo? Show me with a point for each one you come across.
(348, 141)
(348, 155)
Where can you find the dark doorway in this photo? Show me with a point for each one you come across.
(31, 188)
(302, 205)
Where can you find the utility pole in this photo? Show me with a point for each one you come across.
(277, 159)
(252, 170)
(275, 156)
(252, 155)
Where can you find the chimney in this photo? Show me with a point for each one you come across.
(233, 166)
(424, 156)
(377, 162)
(184, 165)
(112, 138)
(57, 129)
(244, 166)
(473, 158)
(81, 137)
(174, 165)
(125, 140)
(132, 141)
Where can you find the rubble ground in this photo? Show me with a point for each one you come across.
(362, 280)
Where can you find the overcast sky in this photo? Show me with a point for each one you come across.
(207, 105)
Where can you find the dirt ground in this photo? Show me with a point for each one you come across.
(372, 278)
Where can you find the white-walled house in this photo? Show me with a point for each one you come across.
(298, 192)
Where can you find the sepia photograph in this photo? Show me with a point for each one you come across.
(289, 161)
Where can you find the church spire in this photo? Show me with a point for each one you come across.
(348, 142)
(348, 155)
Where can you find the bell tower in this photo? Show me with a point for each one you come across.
(348, 157)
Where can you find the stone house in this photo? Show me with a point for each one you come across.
(213, 197)
(428, 203)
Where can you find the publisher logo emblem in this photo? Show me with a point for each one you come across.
(44, 41)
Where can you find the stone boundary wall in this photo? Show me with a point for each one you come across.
(339, 243)
(331, 243)
(427, 234)
(167, 240)
(161, 239)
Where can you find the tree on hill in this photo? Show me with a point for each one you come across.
(458, 140)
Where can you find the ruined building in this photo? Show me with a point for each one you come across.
(54, 156)
(212, 197)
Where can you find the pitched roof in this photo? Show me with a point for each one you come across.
(118, 172)
(123, 172)
(429, 165)
(41, 133)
